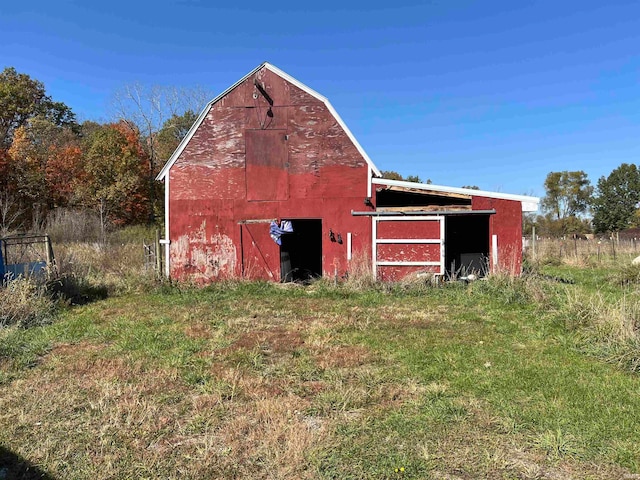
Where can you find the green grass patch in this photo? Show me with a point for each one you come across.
(256, 380)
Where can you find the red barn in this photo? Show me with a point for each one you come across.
(270, 183)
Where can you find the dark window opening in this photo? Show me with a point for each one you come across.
(301, 252)
(395, 198)
(467, 245)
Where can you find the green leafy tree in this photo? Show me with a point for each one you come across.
(393, 175)
(568, 194)
(172, 133)
(22, 98)
(615, 205)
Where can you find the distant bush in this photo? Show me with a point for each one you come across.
(133, 234)
(69, 225)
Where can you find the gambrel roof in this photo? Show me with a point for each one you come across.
(289, 79)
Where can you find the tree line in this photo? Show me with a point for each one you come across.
(572, 205)
(49, 160)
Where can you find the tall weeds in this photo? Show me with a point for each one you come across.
(83, 272)
(606, 327)
(25, 304)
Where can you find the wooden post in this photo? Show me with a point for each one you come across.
(51, 261)
(47, 248)
(575, 245)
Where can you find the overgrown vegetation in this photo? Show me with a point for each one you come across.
(82, 272)
(532, 377)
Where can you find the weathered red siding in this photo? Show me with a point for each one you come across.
(318, 173)
(507, 225)
(251, 161)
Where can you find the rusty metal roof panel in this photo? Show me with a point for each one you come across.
(529, 204)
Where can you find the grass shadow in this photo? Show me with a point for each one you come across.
(14, 467)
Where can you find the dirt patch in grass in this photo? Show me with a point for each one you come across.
(343, 356)
(275, 341)
(198, 331)
(411, 317)
(67, 351)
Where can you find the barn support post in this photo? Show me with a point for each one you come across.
(494, 252)
(374, 247)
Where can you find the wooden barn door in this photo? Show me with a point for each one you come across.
(267, 172)
(407, 245)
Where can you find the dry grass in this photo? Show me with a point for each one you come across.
(582, 253)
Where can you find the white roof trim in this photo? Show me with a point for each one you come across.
(529, 204)
(291, 80)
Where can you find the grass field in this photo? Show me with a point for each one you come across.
(532, 378)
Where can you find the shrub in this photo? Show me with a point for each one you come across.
(628, 274)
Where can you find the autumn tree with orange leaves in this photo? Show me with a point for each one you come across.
(48, 161)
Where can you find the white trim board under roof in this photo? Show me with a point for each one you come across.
(529, 204)
(289, 79)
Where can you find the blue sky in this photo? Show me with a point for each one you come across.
(489, 93)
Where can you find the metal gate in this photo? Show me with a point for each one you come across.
(406, 245)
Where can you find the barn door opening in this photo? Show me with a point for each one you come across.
(301, 252)
(467, 245)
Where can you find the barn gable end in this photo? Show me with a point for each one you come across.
(268, 148)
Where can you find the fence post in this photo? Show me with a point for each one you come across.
(158, 256)
(533, 242)
(613, 247)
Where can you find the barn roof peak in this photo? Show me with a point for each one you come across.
(374, 170)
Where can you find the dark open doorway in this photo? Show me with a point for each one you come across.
(301, 252)
(467, 245)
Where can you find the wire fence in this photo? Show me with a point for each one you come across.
(580, 249)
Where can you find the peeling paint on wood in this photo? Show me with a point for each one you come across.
(202, 257)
